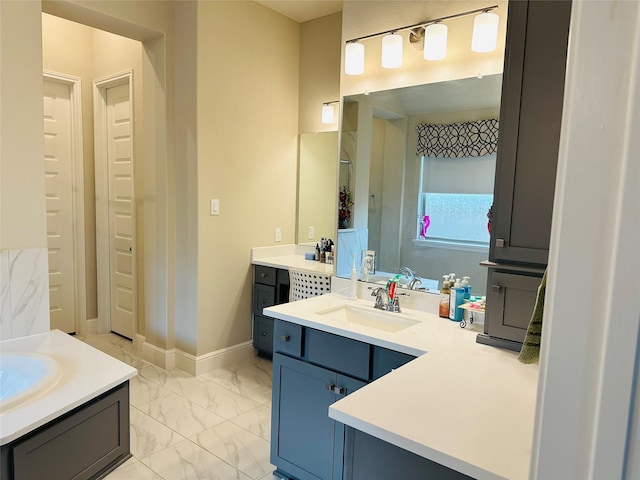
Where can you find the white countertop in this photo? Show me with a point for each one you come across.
(464, 405)
(296, 262)
(85, 373)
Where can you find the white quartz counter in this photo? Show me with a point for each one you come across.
(84, 374)
(464, 405)
(296, 262)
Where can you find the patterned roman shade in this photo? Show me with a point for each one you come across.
(456, 140)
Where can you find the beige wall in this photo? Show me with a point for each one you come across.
(22, 201)
(319, 71)
(247, 84)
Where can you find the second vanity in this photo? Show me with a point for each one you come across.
(360, 393)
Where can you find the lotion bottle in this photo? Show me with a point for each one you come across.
(467, 288)
(444, 297)
(457, 299)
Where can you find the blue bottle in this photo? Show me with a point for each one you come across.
(457, 299)
(467, 288)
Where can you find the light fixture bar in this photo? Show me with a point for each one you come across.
(426, 22)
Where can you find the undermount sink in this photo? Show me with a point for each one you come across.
(387, 321)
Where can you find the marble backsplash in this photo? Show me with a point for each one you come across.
(24, 292)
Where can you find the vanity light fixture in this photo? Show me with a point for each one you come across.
(354, 58)
(328, 112)
(485, 32)
(435, 41)
(485, 37)
(392, 51)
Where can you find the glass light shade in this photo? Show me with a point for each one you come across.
(327, 114)
(485, 32)
(392, 51)
(354, 59)
(435, 41)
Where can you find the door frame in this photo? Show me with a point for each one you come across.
(77, 196)
(103, 252)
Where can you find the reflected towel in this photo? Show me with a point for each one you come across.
(530, 351)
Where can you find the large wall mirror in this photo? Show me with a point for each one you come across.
(317, 173)
(395, 188)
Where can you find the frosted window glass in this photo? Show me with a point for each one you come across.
(460, 217)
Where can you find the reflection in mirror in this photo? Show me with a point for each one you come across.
(426, 210)
(316, 178)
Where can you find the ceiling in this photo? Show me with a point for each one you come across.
(303, 10)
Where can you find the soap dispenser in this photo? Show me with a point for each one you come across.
(457, 299)
(467, 288)
(354, 280)
(444, 297)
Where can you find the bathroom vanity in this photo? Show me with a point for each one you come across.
(76, 428)
(358, 392)
(271, 286)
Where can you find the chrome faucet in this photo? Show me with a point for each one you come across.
(383, 302)
(414, 280)
(382, 298)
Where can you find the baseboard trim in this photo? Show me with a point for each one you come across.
(91, 327)
(194, 365)
(197, 365)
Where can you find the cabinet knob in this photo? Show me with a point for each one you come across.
(496, 288)
(264, 334)
(263, 275)
(285, 338)
(500, 242)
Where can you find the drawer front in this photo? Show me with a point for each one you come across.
(341, 354)
(263, 333)
(283, 277)
(385, 360)
(265, 275)
(263, 296)
(287, 338)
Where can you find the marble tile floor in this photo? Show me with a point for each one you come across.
(215, 426)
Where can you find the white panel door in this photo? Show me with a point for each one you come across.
(121, 225)
(59, 202)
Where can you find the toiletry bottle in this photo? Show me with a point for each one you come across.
(457, 299)
(354, 280)
(467, 288)
(444, 297)
(317, 252)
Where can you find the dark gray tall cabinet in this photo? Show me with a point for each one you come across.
(530, 119)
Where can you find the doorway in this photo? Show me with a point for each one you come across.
(64, 200)
(115, 212)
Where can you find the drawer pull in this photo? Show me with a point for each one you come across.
(500, 243)
(330, 386)
(340, 390)
(495, 288)
(263, 275)
(285, 338)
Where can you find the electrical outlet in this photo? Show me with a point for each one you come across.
(312, 232)
(278, 234)
(214, 207)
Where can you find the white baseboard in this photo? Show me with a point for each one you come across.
(233, 355)
(91, 327)
(165, 359)
(194, 365)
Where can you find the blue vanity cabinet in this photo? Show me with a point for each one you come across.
(305, 443)
(270, 287)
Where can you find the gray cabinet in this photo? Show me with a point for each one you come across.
(270, 287)
(530, 119)
(311, 370)
(86, 443)
(369, 458)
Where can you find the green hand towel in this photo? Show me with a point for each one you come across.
(530, 351)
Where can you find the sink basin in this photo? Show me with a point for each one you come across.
(387, 321)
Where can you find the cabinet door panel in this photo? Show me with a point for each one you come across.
(510, 302)
(263, 296)
(302, 434)
(530, 117)
(346, 385)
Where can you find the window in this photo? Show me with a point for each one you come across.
(455, 194)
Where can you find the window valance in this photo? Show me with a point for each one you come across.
(455, 140)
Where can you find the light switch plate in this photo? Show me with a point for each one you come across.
(312, 232)
(278, 234)
(215, 207)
